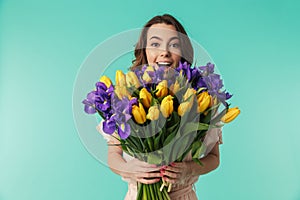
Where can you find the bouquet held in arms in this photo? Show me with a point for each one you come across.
(160, 114)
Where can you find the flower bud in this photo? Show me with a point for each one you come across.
(153, 113)
(146, 77)
(106, 81)
(120, 78)
(174, 88)
(184, 107)
(145, 97)
(132, 80)
(167, 106)
(121, 92)
(189, 92)
(231, 114)
(149, 69)
(203, 100)
(139, 113)
(162, 89)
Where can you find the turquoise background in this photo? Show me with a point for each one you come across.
(255, 44)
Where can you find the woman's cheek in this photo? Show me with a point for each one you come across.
(151, 57)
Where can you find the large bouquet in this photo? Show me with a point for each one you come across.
(160, 114)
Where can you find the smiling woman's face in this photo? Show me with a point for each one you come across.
(163, 45)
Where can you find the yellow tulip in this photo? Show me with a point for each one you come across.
(174, 88)
(146, 77)
(184, 107)
(120, 78)
(139, 113)
(203, 100)
(162, 88)
(167, 106)
(132, 80)
(145, 97)
(231, 114)
(121, 92)
(149, 69)
(153, 113)
(189, 92)
(106, 81)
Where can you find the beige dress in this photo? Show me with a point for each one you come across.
(182, 191)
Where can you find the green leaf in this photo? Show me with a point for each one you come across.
(171, 133)
(197, 161)
(213, 107)
(197, 149)
(182, 146)
(194, 126)
(155, 157)
(157, 140)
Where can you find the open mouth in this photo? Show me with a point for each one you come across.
(164, 64)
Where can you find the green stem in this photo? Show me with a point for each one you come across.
(145, 197)
(156, 187)
(139, 193)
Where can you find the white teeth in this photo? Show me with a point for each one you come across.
(164, 63)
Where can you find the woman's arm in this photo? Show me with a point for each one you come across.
(210, 162)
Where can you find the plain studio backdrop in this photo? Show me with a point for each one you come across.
(43, 45)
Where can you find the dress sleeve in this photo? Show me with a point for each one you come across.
(212, 137)
(111, 139)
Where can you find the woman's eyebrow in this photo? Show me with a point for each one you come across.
(173, 38)
(155, 37)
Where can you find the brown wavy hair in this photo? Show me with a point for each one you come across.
(140, 48)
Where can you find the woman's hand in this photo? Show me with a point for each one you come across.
(141, 171)
(177, 172)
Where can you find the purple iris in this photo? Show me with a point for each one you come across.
(99, 100)
(89, 102)
(170, 75)
(186, 69)
(109, 125)
(139, 72)
(208, 69)
(124, 130)
(89, 107)
(197, 79)
(122, 113)
(214, 82)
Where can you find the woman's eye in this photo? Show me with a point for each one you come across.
(175, 45)
(154, 44)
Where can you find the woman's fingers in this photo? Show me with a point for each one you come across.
(175, 172)
(170, 174)
(173, 169)
(148, 175)
(170, 180)
(148, 178)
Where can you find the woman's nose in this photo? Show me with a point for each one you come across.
(165, 52)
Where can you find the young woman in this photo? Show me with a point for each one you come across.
(163, 41)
